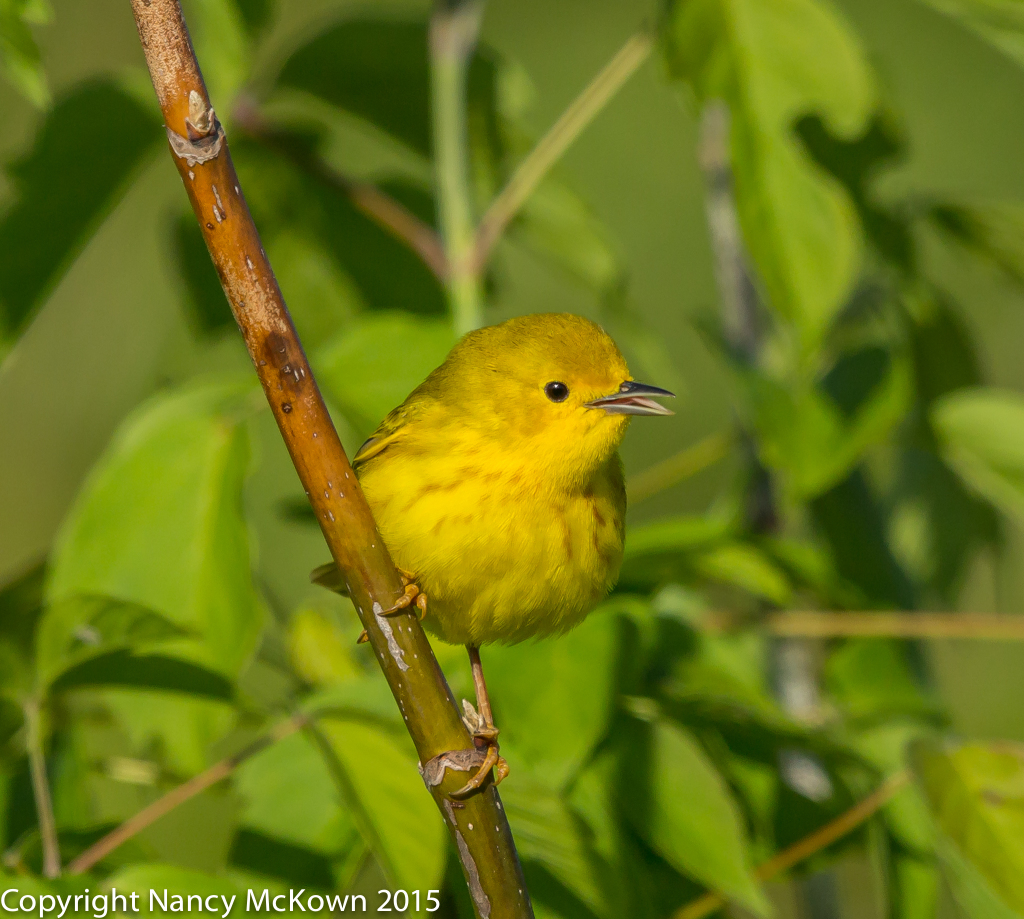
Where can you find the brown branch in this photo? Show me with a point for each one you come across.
(899, 624)
(551, 146)
(199, 150)
(380, 207)
(806, 847)
(165, 804)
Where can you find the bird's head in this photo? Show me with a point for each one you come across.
(554, 385)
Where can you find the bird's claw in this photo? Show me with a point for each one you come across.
(485, 735)
(412, 595)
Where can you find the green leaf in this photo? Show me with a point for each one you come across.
(159, 523)
(64, 187)
(78, 628)
(381, 787)
(773, 62)
(806, 435)
(378, 69)
(992, 230)
(221, 39)
(682, 808)
(19, 50)
(207, 307)
(554, 698)
(546, 831)
(169, 881)
(1000, 22)
(976, 796)
(745, 567)
(373, 365)
(290, 796)
(981, 434)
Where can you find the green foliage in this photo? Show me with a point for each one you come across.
(63, 198)
(772, 62)
(650, 758)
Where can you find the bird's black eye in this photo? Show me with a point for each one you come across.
(556, 392)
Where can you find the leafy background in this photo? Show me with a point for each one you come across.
(865, 450)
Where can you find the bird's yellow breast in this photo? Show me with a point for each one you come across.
(502, 554)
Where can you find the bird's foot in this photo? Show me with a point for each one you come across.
(412, 595)
(485, 735)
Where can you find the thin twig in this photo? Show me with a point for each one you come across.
(884, 624)
(552, 145)
(454, 28)
(379, 206)
(176, 796)
(41, 788)
(806, 847)
(684, 464)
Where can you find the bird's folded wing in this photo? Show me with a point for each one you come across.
(330, 576)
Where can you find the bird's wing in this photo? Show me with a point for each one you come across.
(390, 430)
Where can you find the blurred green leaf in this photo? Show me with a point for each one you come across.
(683, 809)
(168, 881)
(220, 34)
(378, 69)
(373, 365)
(773, 62)
(746, 567)
(976, 796)
(554, 698)
(19, 50)
(319, 650)
(208, 308)
(290, 796)
(981, 433)
(992, 230)
(65, 187)
(78, 628)
(807, 435)
(159, 523)
(381, 787)
(871, 679)
(1000, 22)
(547, 832)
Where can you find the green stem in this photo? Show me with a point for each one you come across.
(453, 34)
(41, 789)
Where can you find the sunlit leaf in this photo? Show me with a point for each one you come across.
(1000, 22)
(981, 432)
(699, 832)
(78, 628)
(18, 48)
(373, 365)
(773, 62)
(554, 699)
(65, 186)
(289, 795)
(976, 796)
(546, 831)
(159, 524)
(219, 32)
(381, 787)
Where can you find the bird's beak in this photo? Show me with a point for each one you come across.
(634, 399)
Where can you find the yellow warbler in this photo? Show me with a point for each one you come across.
(497, 484)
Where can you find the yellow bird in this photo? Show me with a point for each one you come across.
(498, 488)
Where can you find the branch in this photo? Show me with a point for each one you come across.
(201, 155)
(552, 145)
(898, 624)
(454, 28)
(380, 207)
(41, 789)
(806, 847)
(165, 804)
(684, 464)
